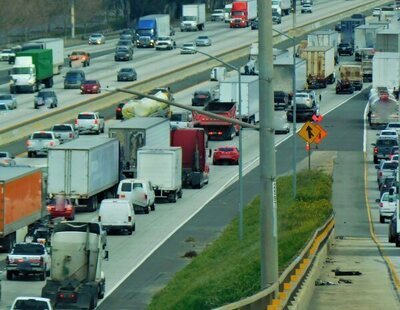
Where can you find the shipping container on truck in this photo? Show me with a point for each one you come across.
(162, 166)
(242, 13)
(388, 40)
(21, 203)
(150, 27)
(193, 17)
(347, 29)
(193, 142)
(386, 70)
(353, 74)
(56, 45)
(215, 128)
(85, 170)
(320, 63)
(383, 107)
(136, 132)
(229, 92)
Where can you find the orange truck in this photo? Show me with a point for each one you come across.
(21, 203)
(79, 57)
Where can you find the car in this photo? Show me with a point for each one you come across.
(226, 154)
(387, 205)
(97, 38)
(344, 87)
(127, 37)
(61, 207)
(254, 24)
(382, 148)
(140, 194)
(188, 48)
(386, 168)
(281, 100)
(45, 97)
(218, 15)
(394, 151)
(203, 41)
(118, 110)
(388, 183)
(165, 43)
(393, 125)
(79, 56)
(3, 108)
(304, 97)
(90, 87)
(6, 54)
(306, 8)
(39, 142)
(376, 12)
(6, 159)
(388, 133)
(358, 16)
(65, 132)
(74, 78)
(393, 236)
(276, 17)
(345, 49)
(123, 53)
(31, 303)
(89, 122)
(181, 119)
(126, 74)
(201, 97)
(125, 43)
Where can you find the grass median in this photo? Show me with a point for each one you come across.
(229, 270)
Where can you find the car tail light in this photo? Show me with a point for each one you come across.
(129, 218)
(219, 133)
(49, 208)
(76, 121)
(70, 135)
(99, 218)
(375, 150)
(68, 208)
(28, 143)
(122, 196)
(381, 204)
(96, 121)
(119, 109)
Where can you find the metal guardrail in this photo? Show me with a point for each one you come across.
(23, 129)
(290, 279)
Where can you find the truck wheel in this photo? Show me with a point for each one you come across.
(42, 276)
(180, 193)
(153, 207)
(173, 197)
(390, 239)
(381, 219)
(10, 275)
(147, 210)
(134, 227)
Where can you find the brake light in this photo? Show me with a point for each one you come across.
(49, 208)
(219, 133)
(28, 143)
(119, 109)
(375, 150)
(99, 218)
(76, 121)
(129, 218)
(68, 208)
(381, 204)
(96, 121)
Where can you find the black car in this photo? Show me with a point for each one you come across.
(201, 98)
(254, 24)
(123, 53)
(345, 49)
(344, 87)
(276, 17)
(127, 74)
(118, 110)
(281, 100)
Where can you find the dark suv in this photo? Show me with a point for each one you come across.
(383, 148)
(345, 49)
(281, 100)
(74, 79)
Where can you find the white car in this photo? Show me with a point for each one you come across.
(6, 54)
(165, 43)
(203, 41)
(393, 126)
(139, 192)
(188, 48)
(388, 133)
(3, 108)
(181, 119)
(32, 303)
(306, 8)
(387, 206)
(376, 12)
(218, 15)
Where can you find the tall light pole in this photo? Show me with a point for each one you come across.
(73, 19)
(241, 203)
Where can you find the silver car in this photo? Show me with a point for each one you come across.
(97, 38)
(9, 100)
(203, 41)
(6, 159)
(3, 108)
(188, 48)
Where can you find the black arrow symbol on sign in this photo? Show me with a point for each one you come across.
(309, 130)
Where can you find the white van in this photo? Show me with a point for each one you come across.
(139, 193)
(117, 214)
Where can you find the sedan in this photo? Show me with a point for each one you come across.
(393, 236)
(127, 74)
(90, 87)
(61, 207)
(201, 98)
(226, 154)
(387, 206)
(188, 48)
(46, 97)
(97, 38)
(6, 159)
(6, 54)
(9, 100)
(254, 24)
(203, 41)
(306, 8)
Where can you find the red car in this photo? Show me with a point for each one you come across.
(229, 154)
(61, 207)
(91, 87)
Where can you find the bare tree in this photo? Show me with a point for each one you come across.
(86, 10)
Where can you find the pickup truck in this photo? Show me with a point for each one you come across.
(65, 132)
(89, 122)
(80, 57)
(40, 141)
(383, 147)
(28, 258)
(26, 302)
(165, 43)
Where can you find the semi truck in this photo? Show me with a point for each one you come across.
(193, 142)
(386, 70)
(84, 170)
(150, 27)
(215, 128)
(135, 133)
(31, 69)
(320, 66)
(383, 107)
(162, 166)
(242, 13)
(77, 280)
(364, 38)
(388, 40)
(282, 7)
(21, 203)
(193, 17)
(347, 29)
(229, 92)
(56, 45)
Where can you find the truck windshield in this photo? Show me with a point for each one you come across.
(29, 249)
(145, 32)
(21, 71)
(238, 13)
(189, 18)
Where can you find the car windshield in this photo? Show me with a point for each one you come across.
(21, 71)
(394, 126)
(124, 43)
(72, 75)
(386, 142)
(202, 38)
(5, 97)
(302, 95)
(61, 128)
(137, 185)
(90, 82)
(190, 45)
(388, 133)
(78, 53)
(386, 197)
(31, 304)
(390, 166)
(28, 248)
(226, 149)
(96, 35)
(126, 187)
(126, 70)
(176, 117)
(86, 116)
(42, 135)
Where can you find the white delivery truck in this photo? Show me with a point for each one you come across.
(324, 38)
(364, 38)
(56, 45)
(136, 132)
(282, 7)
(229, 92)
(193, 17)
(84, 170)
(386, 70)
(162, 166)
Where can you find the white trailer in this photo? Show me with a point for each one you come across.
(320, 63)
(364, 38)
(57, 47)
(136, 132)
(386, 70)
(193, 17)
(324, 38)
(163, 167)
(229, 92)
(282, 7)
(283, 73)
(85, 170)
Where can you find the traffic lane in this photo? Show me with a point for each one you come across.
(136, 291)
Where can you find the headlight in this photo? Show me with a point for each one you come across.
(12, 82)
(152, 41)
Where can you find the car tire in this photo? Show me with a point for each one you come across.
(10, 275)
(130, 229)
(381, 219)
(42, 276)
(147, 210)
(153, 207)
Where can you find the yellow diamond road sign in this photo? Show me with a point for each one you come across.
(309, 132)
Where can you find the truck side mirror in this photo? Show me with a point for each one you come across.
(106, 255)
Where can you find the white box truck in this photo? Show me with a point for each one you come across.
(229, 92)
(364, 38)
(386, 70)
(193, 17)
(320, 66)
(136, 132)
(323, 38)
(56, 45)
(85, 170)
(162, 166)
(282, 7)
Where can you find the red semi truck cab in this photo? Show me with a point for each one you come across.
(242, 13)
